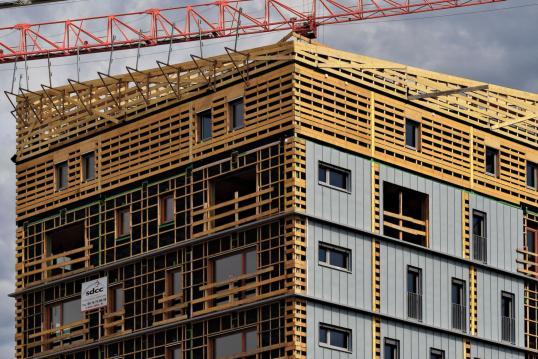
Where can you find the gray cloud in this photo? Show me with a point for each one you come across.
(496, 47)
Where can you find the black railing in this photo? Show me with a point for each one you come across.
(459, 317)
(508, 329)
(414, 305)
(480, 248)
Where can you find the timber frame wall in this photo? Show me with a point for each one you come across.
(142, 127)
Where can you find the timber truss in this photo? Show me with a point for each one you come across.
(56, 115)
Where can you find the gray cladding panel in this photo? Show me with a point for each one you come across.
(360, 326)
(437, 274)
(490, 286)
(485, 351)
(504, 230)
(351, 209)
(445, 225)
(349, 288)
(415, 343)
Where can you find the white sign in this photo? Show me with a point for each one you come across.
(94, 294)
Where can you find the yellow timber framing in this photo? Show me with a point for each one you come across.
(167, 99)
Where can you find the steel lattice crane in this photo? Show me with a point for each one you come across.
(223, 18)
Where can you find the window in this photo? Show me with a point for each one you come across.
(123, 222)
(67, 246)
(507, 317)
(405, 214)
(437, 354)
(118, 299)
(458, 304)
(167, 209)
(61, 175)
(231, 194)
(175, 282)
(335, 257)
(414, 293)
(392, 349)
(333, 337)
(531, 239)
(234, 344)
(492, 161)
(88, 166)
(334, 177)
(235, 265)
(204, 125)
(412, 134)
(174, 353)
(237, 113)
(65, 313)
(532, 175)
(480, 243)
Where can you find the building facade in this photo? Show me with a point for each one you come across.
(287, 201)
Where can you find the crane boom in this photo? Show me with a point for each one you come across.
(223, 18)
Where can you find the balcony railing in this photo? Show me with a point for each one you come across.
(406, 225)
(508, 329)
(114, 323)
(237, 290)
(414, 305)
(174, 308)
(229, 214)
(528, 262)
(459, 317)
(480, 248)
(68, 334)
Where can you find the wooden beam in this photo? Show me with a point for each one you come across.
(448, 92)
(515, 121)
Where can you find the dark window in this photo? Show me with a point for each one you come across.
(507, 317)
(405, 214)
(480, 243)
(412, 134)
(65, 313)
(174, 353)
(175, 282)
(234, 344)
(123, 222)
(414, 293)
(66, 245)
(235, 265)
(492, 161)
(232, 196)
(61, 174)
(204, 125)
(334, 177)
(237, 113)
(458, 305)
(392, 349)
(437, 354)
(334, 337)
(334, 256)
(88, 166)
(532, 175)
(118, 299)
(531, 257)
(167, 208)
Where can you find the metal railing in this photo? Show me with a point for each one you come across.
(414, 305)
(508, 329)
(459, 317)
(480, 248)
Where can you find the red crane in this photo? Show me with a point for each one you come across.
(223, 18)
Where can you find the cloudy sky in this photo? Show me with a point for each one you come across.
(493, 43)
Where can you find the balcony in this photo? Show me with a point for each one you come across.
(480, 248)
(234, 212)
(66, 335)
(528, 262)
(114, 323)
(174, 309)
(414, 306)
(235, 291)
(459, 317)
(508, 329)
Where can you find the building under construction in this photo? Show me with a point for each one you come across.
(291, 200)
